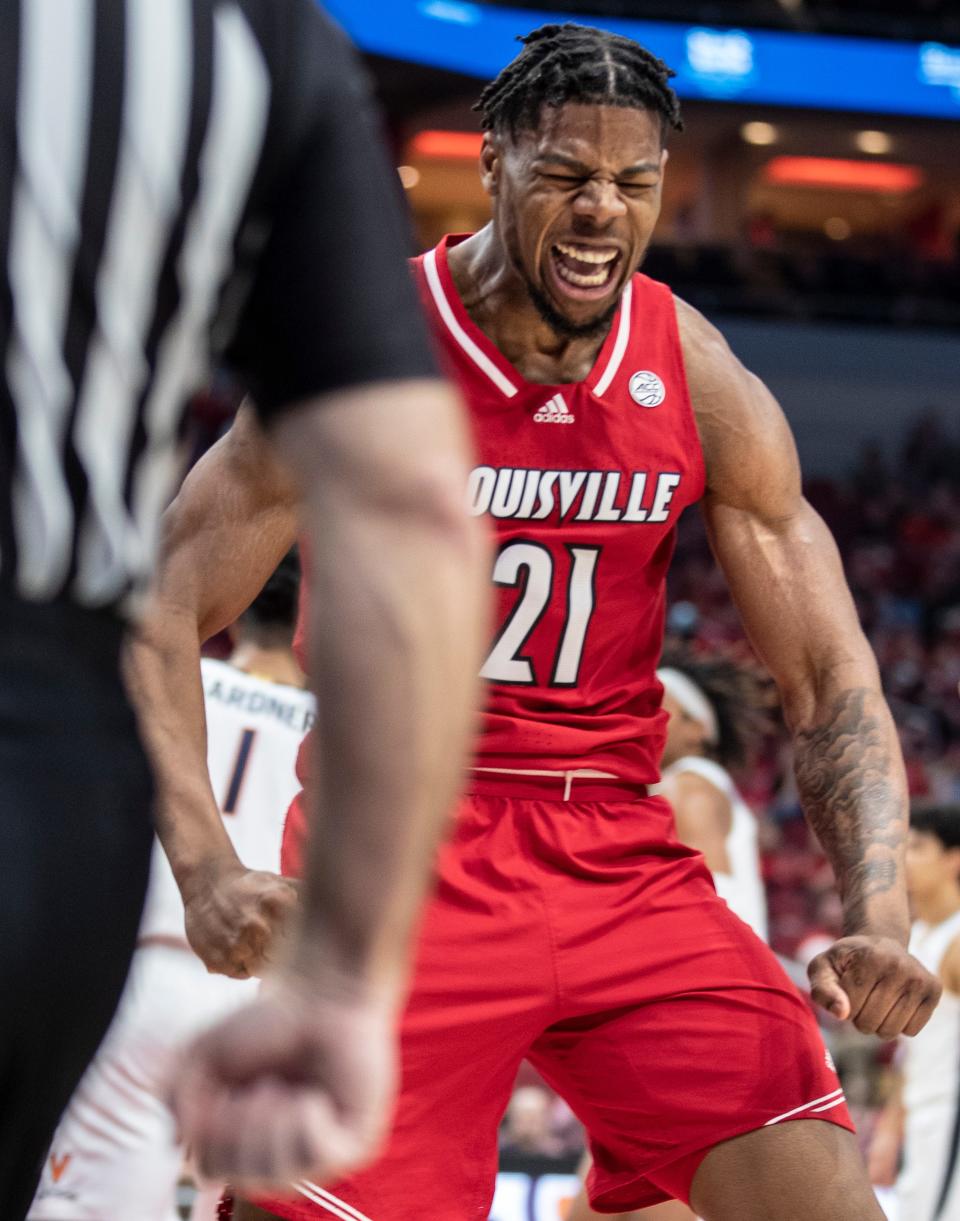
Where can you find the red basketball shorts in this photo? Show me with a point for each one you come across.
(582, 936)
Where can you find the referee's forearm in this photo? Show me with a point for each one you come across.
(397, 590)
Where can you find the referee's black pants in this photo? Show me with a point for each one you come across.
(75, 839)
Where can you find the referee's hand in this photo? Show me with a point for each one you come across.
(298, 1084)
(235, 918)
(875, 983)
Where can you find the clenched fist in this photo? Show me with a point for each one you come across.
(235, 917)
(299, 1083)
(875, 983)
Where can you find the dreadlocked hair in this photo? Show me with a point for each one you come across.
(577, 63)
(742, 696)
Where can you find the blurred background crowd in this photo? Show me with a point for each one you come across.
(825, 241)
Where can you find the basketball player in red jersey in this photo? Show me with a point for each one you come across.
(569, 925)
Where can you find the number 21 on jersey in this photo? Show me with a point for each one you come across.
(531, 568)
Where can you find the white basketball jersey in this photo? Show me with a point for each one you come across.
(254, 730)
(929, 1184)
(932, 1059)
(742, 888)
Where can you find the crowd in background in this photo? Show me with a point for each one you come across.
(910, 279)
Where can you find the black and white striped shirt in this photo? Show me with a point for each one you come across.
(177, 178)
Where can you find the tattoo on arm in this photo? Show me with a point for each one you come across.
(850, 784)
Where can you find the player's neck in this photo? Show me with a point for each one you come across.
(275, 664)
(497, 300)
(940, 906)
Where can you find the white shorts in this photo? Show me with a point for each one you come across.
(929, 1185)
(115, 1156)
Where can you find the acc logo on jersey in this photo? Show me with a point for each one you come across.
(647, 389)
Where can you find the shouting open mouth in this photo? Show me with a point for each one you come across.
(582, 272)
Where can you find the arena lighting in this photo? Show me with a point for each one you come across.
(878, 143)
(837, 228)
(883, 177)
(717, 63)
(759, 132)
(451, 145)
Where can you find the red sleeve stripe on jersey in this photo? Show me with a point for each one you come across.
(620, 347)
(479, 358)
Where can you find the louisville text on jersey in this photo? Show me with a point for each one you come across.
(595, 496)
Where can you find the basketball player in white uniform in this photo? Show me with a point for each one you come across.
(716, 709)
(924, 1116)
(115, 1155)
(711, 705)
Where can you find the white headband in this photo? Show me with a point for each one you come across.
(691, 699)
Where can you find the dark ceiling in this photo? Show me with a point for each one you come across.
(909, 19)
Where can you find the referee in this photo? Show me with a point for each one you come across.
(182, 180)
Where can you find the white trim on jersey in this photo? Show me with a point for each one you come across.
(828, 1106)
(836, 1096)
(476, 354)
(145, 203)
(56, 71)
(620, 346)
(339, 1208)
(231, 150)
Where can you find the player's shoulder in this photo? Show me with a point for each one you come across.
(700, 771)
(710, 364)
(213, 669)
(691, 785)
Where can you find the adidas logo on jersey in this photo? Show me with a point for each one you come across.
(554, 411)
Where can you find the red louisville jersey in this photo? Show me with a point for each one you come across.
(582, 484)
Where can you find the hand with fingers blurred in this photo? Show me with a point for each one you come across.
(298, 1084)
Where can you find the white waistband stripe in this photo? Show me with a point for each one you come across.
(479, 357)
(568, 777)
(338, 1208)
(620, 346)
(836, 1096)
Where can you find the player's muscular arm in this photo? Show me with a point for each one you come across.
(703, 817)
(785, 575)
(223, 535)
